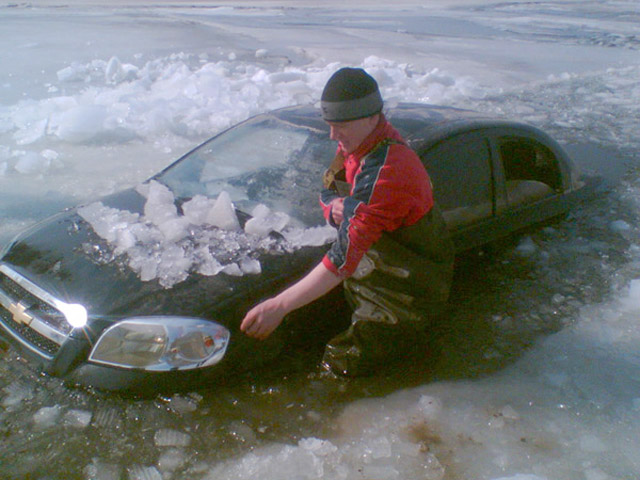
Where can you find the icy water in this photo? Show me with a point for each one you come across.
(537, 375)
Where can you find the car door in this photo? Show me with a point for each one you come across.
(460, 167)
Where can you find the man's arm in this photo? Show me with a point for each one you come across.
(265, 317)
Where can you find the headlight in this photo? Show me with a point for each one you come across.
(161, 344)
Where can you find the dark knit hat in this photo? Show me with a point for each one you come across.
(350, 94)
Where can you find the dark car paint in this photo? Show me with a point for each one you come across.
(50, 255)
(111, 292)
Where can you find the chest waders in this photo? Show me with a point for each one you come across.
(399, 288)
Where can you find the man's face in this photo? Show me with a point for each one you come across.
(351, 134)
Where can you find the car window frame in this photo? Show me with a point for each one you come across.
(513, 218)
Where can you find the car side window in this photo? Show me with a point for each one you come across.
(460, 170)
(530, 168)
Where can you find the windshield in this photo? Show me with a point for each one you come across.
(263, 161)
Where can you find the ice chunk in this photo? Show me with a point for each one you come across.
(197, 209)
(223, 214)
(125, 239)
(140, 472)
(232, 269)
(318, 446)
(174, 265)
(98, 470)
(174, 229)
(167, 246)
(116, 72)
(632, 301)
(620, 226)
(160, 206)
(242, 432)
(77, 418)
(81, 124)
(31, 133)
(208, 264)
(526, 247)
(172, 459)
(73, 73)
(145, 265)
(107, 221)
(17, 393)
(30, 163)
(182, 404)
(47, 416)
(264, 221)
(171, 438)
(107, 418)
(250, 265)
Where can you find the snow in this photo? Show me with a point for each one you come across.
(97, 97)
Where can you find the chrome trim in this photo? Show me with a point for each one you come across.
(35, 323)
(34, 289)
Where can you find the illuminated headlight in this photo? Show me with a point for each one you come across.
(75, 314)
(161, 344)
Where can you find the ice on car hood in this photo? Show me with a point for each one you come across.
(206, 238)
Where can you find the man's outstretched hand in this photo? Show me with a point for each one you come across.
(263, 319)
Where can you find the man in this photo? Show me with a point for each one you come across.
(392, 254)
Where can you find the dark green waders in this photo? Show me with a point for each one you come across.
(399, 289)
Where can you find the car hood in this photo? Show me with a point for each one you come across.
(63, 256)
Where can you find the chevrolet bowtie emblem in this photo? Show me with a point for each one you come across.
(19, 313)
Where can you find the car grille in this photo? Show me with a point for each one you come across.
(30, 314)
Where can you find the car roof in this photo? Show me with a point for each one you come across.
(417, 122)
(413, 116)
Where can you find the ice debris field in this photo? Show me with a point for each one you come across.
(165, 245)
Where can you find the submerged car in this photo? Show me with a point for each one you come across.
(145, 289)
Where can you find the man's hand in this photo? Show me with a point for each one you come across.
(263, 319)
(337, 210)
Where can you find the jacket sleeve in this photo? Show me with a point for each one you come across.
(391, 190)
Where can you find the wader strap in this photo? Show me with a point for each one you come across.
(334, 177)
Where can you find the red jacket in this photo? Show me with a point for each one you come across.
(390, 189)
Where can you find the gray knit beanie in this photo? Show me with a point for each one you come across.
(350, 94)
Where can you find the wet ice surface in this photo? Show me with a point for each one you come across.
(537, 376)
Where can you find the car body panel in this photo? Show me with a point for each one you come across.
(464, 152)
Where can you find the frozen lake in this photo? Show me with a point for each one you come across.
(539, 377)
